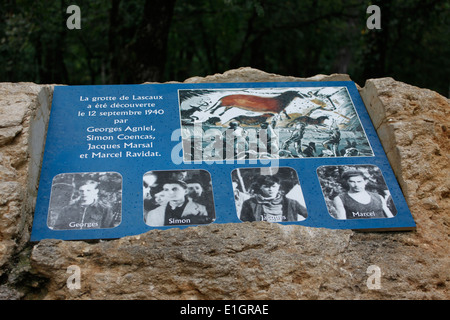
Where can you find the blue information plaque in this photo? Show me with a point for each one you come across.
(121, 160)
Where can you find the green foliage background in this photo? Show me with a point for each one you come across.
(153, 40)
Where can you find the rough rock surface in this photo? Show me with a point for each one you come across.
(24, 113)
(414, 127)
(247, 260)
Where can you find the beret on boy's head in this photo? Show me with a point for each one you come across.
(179, 182)
(352, 173)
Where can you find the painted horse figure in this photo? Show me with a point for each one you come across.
(255, 104)
(319, 121)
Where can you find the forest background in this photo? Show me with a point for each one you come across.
(135, 41)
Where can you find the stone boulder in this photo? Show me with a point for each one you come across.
(247, 260)
(24, 114)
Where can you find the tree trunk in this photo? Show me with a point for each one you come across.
(145, 57)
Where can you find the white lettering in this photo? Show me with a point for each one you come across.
(173, 221)
(74, 21)
(374, 281)
(83, 225)
(74, 281)
(374, 21)
(364, 214)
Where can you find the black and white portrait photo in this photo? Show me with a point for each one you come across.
(178, 197)
(356, 192)
(270, 123)
(85, 201)
(268, 194)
